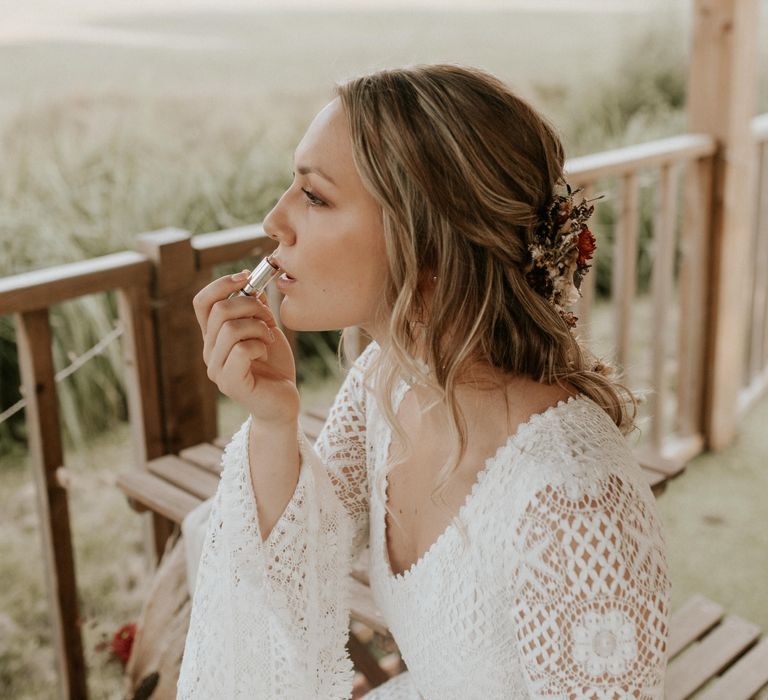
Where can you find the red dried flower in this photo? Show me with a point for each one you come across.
(122, 642)
(587, 245)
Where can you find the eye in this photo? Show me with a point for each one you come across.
(313, 200)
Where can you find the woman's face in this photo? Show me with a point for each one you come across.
(330, 234)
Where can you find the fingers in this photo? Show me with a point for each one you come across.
(228, 310)
(241, 339)
(217, 290)
(236, 375)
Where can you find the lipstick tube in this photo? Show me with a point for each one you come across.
(261, 276)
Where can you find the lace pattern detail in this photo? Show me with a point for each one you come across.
(590, 600)
(270, 618)
(563, 590)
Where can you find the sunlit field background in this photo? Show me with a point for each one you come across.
(120, 120)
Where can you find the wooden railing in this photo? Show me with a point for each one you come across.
(675, 438)
(172, 403)
(28, 297)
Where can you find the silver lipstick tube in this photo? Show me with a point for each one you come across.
(258, 280)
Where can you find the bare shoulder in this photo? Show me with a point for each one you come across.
(527, 397)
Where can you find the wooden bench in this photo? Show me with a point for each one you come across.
(708, 647)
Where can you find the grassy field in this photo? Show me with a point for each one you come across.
(188, 120)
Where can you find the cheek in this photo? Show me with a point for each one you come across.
(345, 289)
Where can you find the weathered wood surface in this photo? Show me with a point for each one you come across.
(33, 334)
(40, 289)
(722, 90)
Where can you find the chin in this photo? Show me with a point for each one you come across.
(301, 322)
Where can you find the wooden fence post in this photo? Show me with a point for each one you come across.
(33, 332)
(722, 86)
(187, 396)
(142, 390)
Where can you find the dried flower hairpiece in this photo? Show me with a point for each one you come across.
(562, 246)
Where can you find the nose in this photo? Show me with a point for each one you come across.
(276, 224)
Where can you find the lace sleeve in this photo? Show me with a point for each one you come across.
(590, 601)
(270, 618)
(340, 451)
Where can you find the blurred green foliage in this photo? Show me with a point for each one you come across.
(82, 176)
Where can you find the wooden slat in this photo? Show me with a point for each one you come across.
(759, 290)
(33, 333)
(157, 494)
(318, 411)
(204, 455)
(624, 265)
(697, 615)
(662, 285)
(681, 450)
(649, 458)
(363, 608)
(742, 680)
(144, 410)
(695, 666)
(654, 478)
(693, 294)
(311, 425)
(188, 477)
(222, 441)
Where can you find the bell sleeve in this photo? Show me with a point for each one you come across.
(270, 618)
(589, 597)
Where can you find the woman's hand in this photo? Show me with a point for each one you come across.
(247, 355)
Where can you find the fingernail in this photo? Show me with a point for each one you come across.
(239, 277)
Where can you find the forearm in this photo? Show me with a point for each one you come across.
(274, 462)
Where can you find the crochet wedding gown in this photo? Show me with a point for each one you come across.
(562, 592)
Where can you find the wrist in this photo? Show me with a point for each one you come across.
(268, 426)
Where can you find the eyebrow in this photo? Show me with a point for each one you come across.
(306, 170)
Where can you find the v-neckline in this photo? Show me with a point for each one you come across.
(470, 498)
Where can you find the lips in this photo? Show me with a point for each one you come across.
(280, 265)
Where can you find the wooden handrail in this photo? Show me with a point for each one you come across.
(645, 156)
(232, 244)
(40, 289)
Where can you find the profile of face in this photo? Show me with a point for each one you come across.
(330, 234)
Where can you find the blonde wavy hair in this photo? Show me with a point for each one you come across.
(462, 168)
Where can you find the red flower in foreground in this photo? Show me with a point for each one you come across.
(123, 641)
(587, 245)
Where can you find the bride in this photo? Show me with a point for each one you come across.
(475, 452)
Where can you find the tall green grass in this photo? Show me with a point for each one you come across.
(83, 175)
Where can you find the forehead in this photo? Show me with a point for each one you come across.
(327, 137)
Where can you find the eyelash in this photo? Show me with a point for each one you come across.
(312, 199)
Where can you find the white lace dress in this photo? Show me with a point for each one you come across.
(563, 591)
